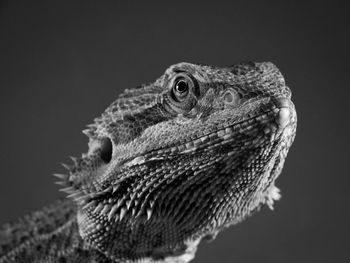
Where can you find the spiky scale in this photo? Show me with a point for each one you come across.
(112, 212)
(106, 209)
(122, 213)
(68, 190)
(75, 195)
(149, 213)
(61, 176)
(98, 208)
(62, 183)
(91, 204)
(74, 160)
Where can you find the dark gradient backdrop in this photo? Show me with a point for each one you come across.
(63, 62)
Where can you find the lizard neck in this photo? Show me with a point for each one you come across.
(154, 241)
(45, 236)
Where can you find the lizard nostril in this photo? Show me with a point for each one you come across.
(106, 150)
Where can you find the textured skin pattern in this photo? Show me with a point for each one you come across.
(169, 163)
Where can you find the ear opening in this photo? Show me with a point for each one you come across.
(106, 150)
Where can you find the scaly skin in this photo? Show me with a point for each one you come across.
(169, 163)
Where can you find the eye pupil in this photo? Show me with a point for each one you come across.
(181, 86)
(181, 89)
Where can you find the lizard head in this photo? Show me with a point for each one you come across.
(179, 159)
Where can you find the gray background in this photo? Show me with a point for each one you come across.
(63, 62)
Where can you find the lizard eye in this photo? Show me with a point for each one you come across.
(183, 93)
(181, 89)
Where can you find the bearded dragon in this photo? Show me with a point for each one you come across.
(169, 163)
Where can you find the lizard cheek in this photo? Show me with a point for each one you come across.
(106, 150)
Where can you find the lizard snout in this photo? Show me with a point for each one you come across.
(284, 114)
